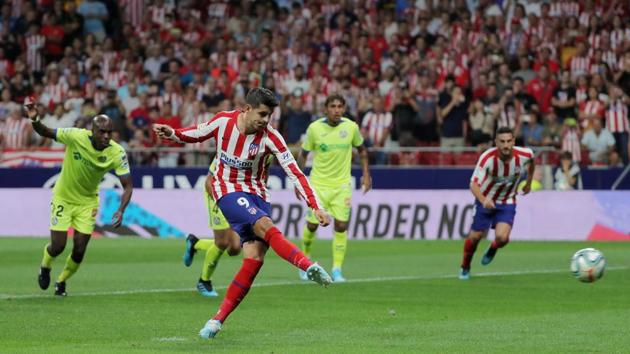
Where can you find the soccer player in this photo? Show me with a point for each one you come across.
(494, 184)
(331, 140)
(89, 155)
(224, 239)
(244, 140)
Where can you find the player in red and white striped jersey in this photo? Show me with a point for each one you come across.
(494, 185)
(244, 140)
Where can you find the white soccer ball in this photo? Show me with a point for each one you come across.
(587, 265)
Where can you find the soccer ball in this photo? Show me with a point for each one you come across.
(587, 265)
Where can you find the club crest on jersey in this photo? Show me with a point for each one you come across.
(517, 170)
(343, 134)
(253, 150)
(252, 210)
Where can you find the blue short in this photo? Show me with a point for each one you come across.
(486, 218)
(242, 210)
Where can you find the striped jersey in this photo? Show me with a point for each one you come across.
(241, 158)
(498, 179)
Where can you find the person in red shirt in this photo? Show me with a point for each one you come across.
(542, 88)
(54, 35)
(544, 59)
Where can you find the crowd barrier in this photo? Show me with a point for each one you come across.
(379, 214)
(383, 177)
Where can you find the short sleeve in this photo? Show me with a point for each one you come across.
(357, 139)
(309, 142)
(67, 136)
(122, 164)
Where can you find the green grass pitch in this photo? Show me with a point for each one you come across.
(135, 295)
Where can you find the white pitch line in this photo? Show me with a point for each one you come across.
(286, 283)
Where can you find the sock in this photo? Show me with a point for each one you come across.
(70, 268)
(238, 288)
(494, 246)
(470, 247)
(307, 240)
(213, 253)
(286, 249)
(339, 245)
(47, 260)
(204, 244)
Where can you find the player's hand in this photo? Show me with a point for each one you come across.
(527, 188)
(30, 108)
(488, 203)
(322, 217)
(297, 194)
(117, 218)
(163, 131)
(366, 183)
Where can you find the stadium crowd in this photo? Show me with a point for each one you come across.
(414, 73)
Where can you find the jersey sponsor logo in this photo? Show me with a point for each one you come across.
(235, 161)
(328, 147)
(285, 157)
(87, 163)
(76, 156)
(503, 179)
(252, 150)
(102, 159)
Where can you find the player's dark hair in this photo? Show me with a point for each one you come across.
(505, 130)
(566, 155)
(335, 97)
(260, 95)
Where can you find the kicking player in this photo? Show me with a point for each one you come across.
(224, 239)
(331, 140)
(244, 140)
(89, 155)
(493, 184)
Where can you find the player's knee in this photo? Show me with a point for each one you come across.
(233, 251)
(475, 235)
(55, 249)
(263, 225)
(502, 240)
(341, 226)
(77, 256)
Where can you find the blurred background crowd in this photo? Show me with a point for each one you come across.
(424, 73)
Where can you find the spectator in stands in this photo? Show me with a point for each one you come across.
(7, 105)
(425, 103)
(525, 71)
(452, 116)
(600, 144)
(567, 174)
(563, 100)
(552, 131)
(297, 120)
(617, 121)
(542, 89)
(481, 120)
(94, 15)
(376, 127)
(531, 130)
(115, 110)
(591, 109)
(16, 131)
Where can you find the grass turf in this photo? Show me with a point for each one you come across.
(134, 295)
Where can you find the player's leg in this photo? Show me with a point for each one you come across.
(253, 257)
(340, 210)
(56, 246)
(502, 237)
(60, 222)
(339, 247)
(80, 241)
(482, 220)
(223, 239)
(309, 233)
(503, 221)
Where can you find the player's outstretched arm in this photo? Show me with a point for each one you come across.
(531, 166)
(127, 184)
(366, 179)
(32, 113)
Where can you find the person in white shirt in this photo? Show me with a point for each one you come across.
(567, 175)
(600, 143)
